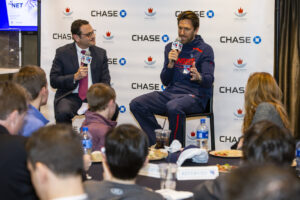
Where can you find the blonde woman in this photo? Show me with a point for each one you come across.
(263, 102)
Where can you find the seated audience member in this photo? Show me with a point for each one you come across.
(264, 142)
(263, 102)
(262, 182)
(101, 100)
(55, 163)
(14, 177)
(33, 79)
(126, 150)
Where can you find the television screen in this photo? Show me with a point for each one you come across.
(19, 14)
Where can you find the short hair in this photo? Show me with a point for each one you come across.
(261, 182)
(75, 27)
(99, 95)
(32, 78)
(58, 147)
(265, 142)
(126, 148)
(191, 16)
(12, 97)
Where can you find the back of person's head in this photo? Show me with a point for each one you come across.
(12, 97)
(190, 15)
(32, 78)
(58, 147)
(75, 27)
(99, 95)
(262, 87)
(265, 142)
(263, 182)
(126, 149)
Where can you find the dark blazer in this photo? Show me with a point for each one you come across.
(15, 180)
(65, 65)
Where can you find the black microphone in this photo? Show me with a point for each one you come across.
(176, 45)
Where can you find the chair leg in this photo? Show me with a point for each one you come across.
(212, 132)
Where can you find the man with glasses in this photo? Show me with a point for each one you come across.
(71, 75)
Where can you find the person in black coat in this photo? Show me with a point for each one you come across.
(68, 71)
(15, 180)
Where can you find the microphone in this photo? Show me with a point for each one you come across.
(86, 59)
(176, 45)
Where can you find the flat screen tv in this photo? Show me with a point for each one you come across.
(18, 14)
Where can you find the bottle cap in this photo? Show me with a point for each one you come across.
(202, 120)
(85, 128)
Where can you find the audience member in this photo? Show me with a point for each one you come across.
(14, 177)
(262, 182)
(263, 102)
(126, 150)
(34, 80)
(55, 163)
(264, 143)
(101, 100)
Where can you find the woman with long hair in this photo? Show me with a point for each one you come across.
(263, 102)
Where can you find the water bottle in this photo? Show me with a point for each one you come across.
(298, 158)
(202, 135)
(86, 141)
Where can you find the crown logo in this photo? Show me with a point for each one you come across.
(240, 10)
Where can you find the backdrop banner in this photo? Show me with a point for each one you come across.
(135, 32)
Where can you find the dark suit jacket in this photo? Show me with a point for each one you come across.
(65, 65)
(15, 180)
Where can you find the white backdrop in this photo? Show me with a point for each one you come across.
(134, 33)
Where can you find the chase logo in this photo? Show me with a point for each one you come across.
(67, 12)
(210, 14)
(122, 61)
(239, 63)
(61, 36)
(165, 38)
(150, 61)
(149, 38)
(240, 12)
(108, 35)
(122, 109)
(123, 13)
(116, 61)
(108, 13)
(257, 39)
(201, 13)
(239, 113)
(240, 39)
(150, 12)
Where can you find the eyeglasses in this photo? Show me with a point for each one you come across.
(89, 34)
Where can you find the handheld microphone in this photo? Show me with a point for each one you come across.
(176, 45)
(86, 59)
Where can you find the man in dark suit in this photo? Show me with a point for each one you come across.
(15, 180)
(69, 75)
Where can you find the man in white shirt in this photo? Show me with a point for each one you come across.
(72, 76)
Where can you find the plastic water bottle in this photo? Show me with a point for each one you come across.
(86, 141)
(202, 135)
(298, 158)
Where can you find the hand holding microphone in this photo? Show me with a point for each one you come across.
(173, 54)
(83, 69)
